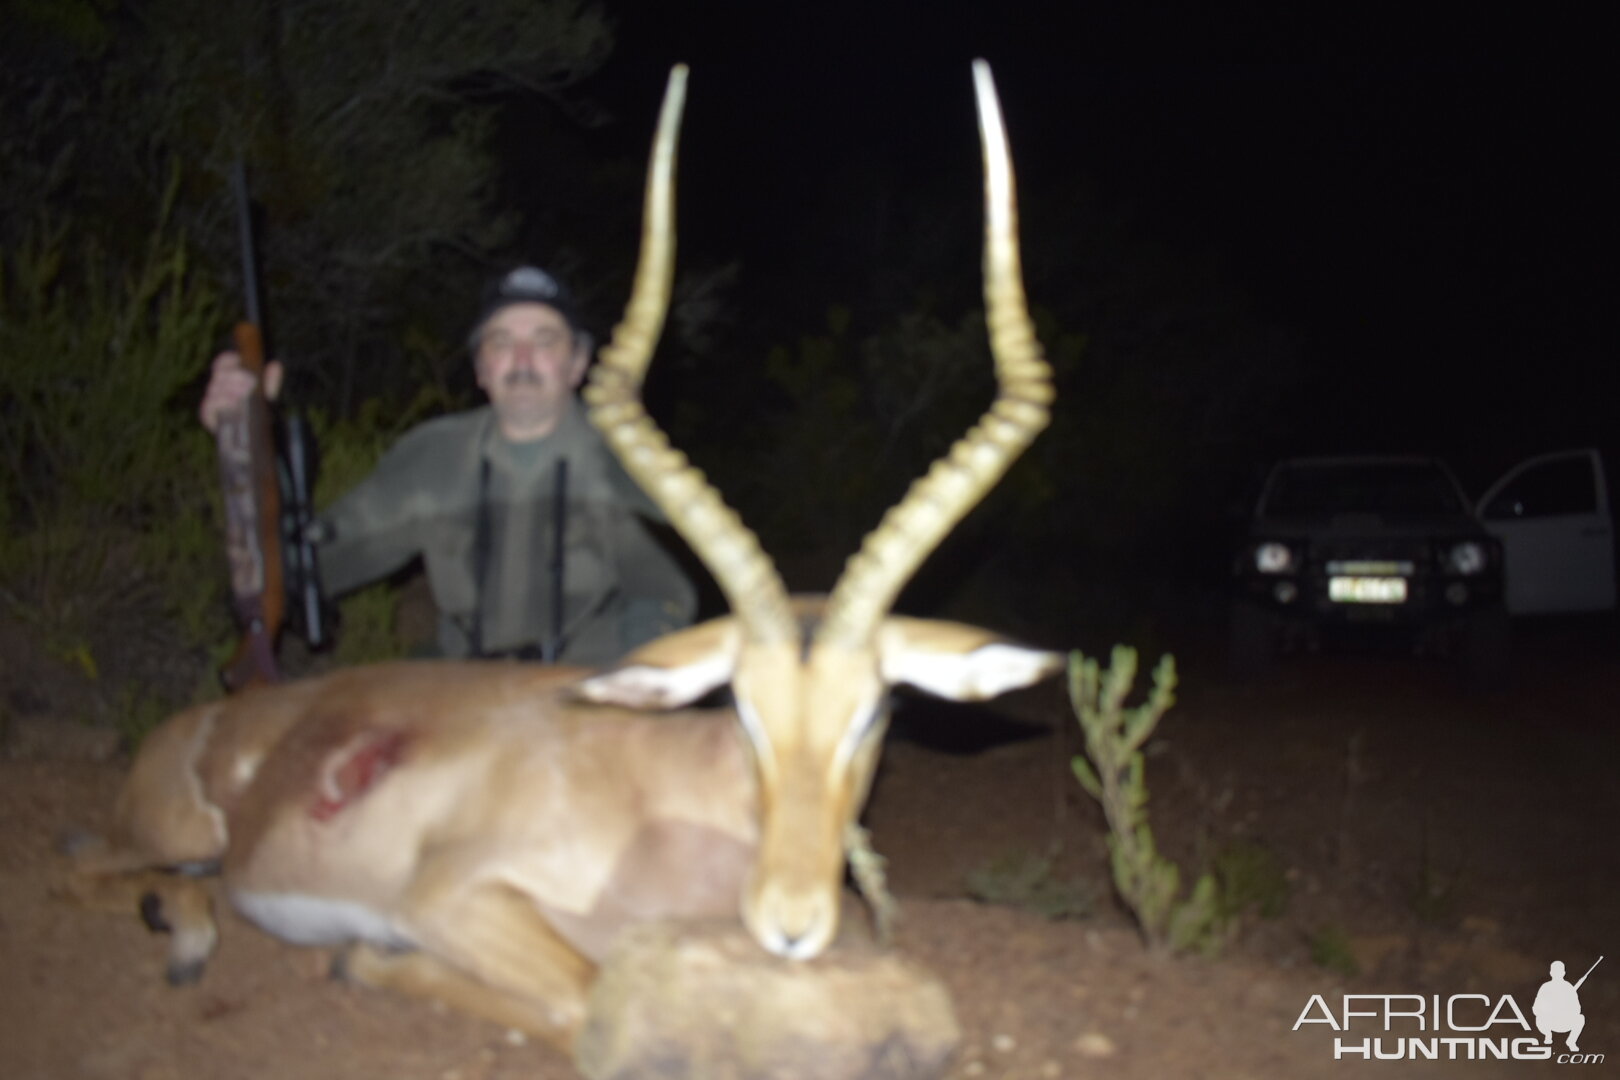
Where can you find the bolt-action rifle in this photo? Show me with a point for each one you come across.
(268, 501)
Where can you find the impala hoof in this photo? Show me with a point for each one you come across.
(363, 963)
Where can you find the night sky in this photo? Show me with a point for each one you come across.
(1423, 201)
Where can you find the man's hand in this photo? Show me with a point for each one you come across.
(230, 385)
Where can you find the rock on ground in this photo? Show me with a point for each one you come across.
(691, 1001)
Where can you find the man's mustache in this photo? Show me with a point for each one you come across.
(523, 377)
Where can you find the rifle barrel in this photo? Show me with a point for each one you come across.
(244, 227)
(247, 465)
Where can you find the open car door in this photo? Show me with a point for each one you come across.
(1553, 517)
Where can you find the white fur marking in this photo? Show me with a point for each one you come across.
(246, 767)
(855, 732)
(646, 687)
(194, 783)
(986, 672)
(313, 920)
(753, 725)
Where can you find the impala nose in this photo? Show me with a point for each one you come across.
(793, 927)
(805, 946)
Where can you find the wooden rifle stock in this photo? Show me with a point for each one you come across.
(247, 472)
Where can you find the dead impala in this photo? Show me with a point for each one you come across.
(480, 832)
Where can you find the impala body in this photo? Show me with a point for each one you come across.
(481, 832)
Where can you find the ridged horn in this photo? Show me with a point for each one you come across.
(913, 528)
(716, 534)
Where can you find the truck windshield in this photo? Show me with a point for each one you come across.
(1394, 489)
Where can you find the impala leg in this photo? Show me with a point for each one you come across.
(488, 952)
(423, 975)
(171, 903)
(184, 908)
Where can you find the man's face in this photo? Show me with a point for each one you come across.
(529, 363)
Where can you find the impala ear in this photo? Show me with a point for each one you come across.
(675, 670)
(957, 661)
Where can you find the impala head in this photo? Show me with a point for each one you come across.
(811, 677)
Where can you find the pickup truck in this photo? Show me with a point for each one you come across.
(1391, 544)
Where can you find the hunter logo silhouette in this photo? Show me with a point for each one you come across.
(1558, 1005)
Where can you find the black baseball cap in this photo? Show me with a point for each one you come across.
(524, 285)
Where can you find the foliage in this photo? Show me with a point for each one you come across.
(366, 127)
(1183, 377)
(1027, 880)
(1162, 367)
(824, 438)
(138, 713)
(852, 418)
(1112, 772)
(367, 130)
(369, 626)
(104, 497)
(1139, 453)
(869, 869)
(109, 506)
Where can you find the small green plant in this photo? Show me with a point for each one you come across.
(1028, 880)
(870, 871)
(1330, 948)
(1112, 772)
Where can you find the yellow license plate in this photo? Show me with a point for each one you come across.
(1367, 590)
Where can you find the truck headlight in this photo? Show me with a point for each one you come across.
(1467, 558)
(1272, 557)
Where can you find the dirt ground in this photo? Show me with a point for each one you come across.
(1417, 838)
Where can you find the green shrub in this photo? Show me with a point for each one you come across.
(106, 491)
(1112, 772)
(111, 536)
(1028, 880)
(870, 871)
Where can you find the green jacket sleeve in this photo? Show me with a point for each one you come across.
(373, 530)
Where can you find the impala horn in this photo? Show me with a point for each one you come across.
(954, 484)
(716, 534)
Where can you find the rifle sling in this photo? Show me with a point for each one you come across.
(483, 543)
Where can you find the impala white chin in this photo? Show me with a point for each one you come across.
(795, 925)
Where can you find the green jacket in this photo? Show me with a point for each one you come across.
(423, 499)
